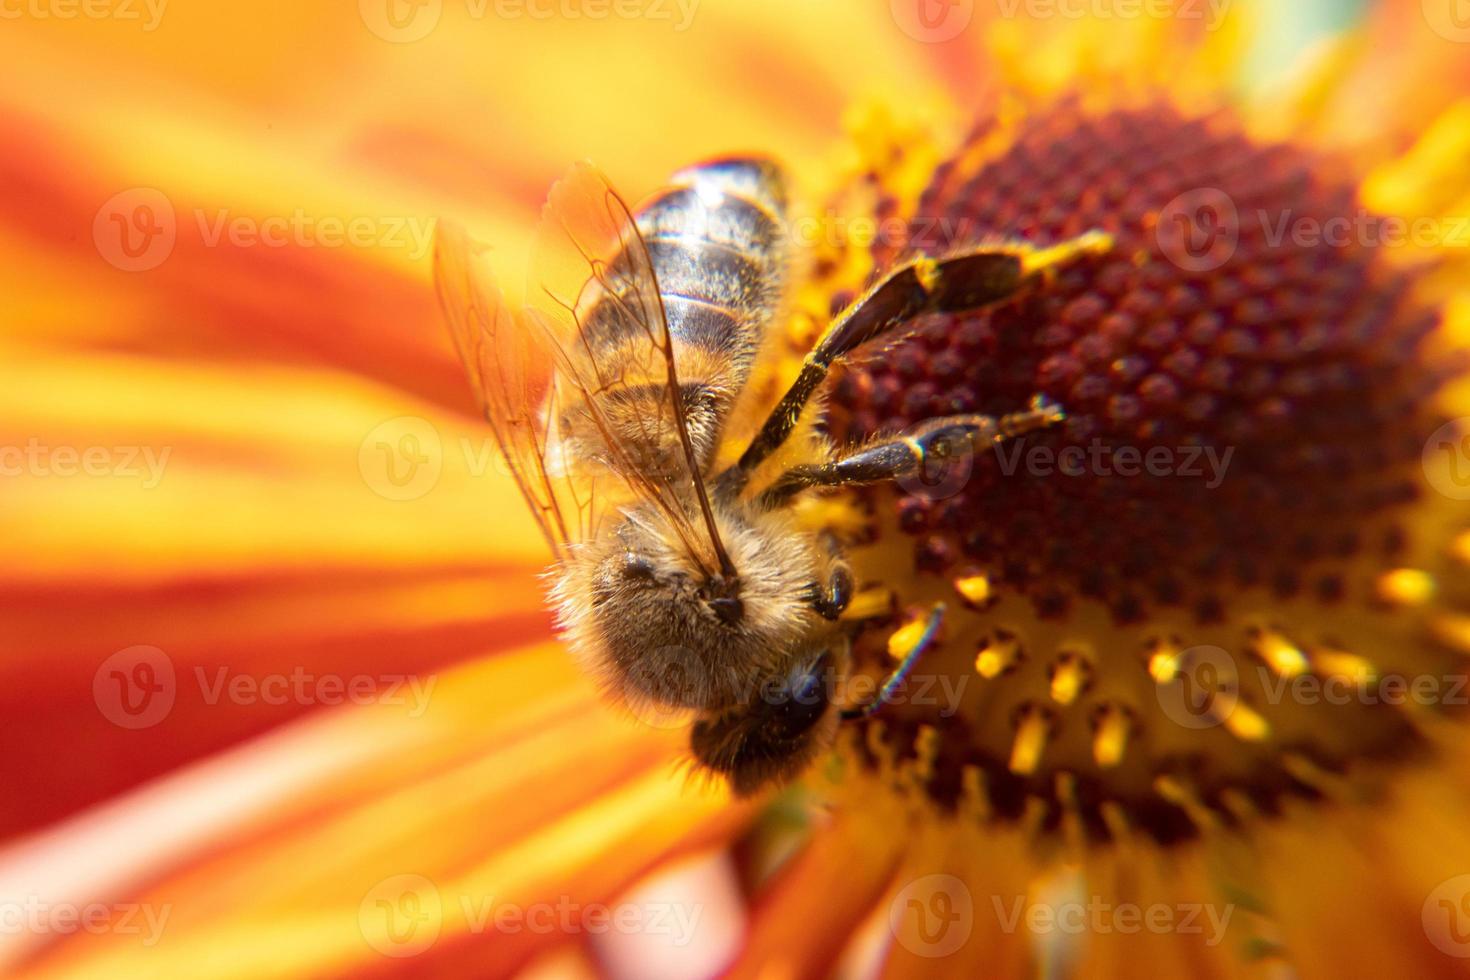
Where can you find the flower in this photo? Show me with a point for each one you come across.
(276, 621)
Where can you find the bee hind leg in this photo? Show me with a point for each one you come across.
(910, 453)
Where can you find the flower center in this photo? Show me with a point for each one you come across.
(1190, 599)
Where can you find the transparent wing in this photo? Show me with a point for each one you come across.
(595, 299)
(511, 372)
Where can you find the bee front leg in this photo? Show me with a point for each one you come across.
(832, 599)
(970, 279)
(900, 673)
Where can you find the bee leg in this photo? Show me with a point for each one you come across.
(830, 602)
(908, 454)
(900, 673)
(965, 281)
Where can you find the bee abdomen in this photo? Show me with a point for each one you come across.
(707, 272)
(717, 243)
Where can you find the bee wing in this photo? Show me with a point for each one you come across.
(593, 292)
(511, 372)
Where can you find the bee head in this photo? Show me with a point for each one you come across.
(777, 734)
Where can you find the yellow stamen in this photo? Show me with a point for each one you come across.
(1245, 723)
(903, 640)
(1183, 796)
(1454, 630)
(1280, 654)
(869, 604)
(996, 656)
(974, 589)
(1111, 737)
(1344, 666)
(1163, 662)
(1030, 739)
(1406, 587)
(1068, 676)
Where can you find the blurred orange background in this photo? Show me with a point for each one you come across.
(214, 225)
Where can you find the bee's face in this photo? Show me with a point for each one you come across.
(778, 733)
(665, 632)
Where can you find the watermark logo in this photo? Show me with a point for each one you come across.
(401, 21)
(401, 916)
(1450, 19)
(136, 229)
(1201, 688)
(944, 470)
(1446, 459)
(138, 687)
(401, 459)
(135, 688)
(1211, 12)
(406, 21)
(40, 460)
(1100, 917)
(1206, 464)
(33, 916)
(149, 13)
(1199, 230)
(932, 916)
(932, 21)
(1446, 916)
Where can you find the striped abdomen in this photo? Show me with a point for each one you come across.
(716, 241)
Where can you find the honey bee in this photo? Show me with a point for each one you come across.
(679, 581)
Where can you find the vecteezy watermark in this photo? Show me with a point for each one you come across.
(661, 681)
(1197, 688)
(1098, 916)
(137, 230)
(1446, 916)
(1211, 12)
(34, 916)
(137, 688)
(402, 458)
(148, 13)
(1450, 19)
(302, 687)
(1424, 690)
(928, 233)
(402, 916)
(1099, 459)
(38, 459)
(932, 916)
(1201, 229)
(299, 229)
(1446, 459)
(406, 21)
(932, 21)
(1363, 228)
